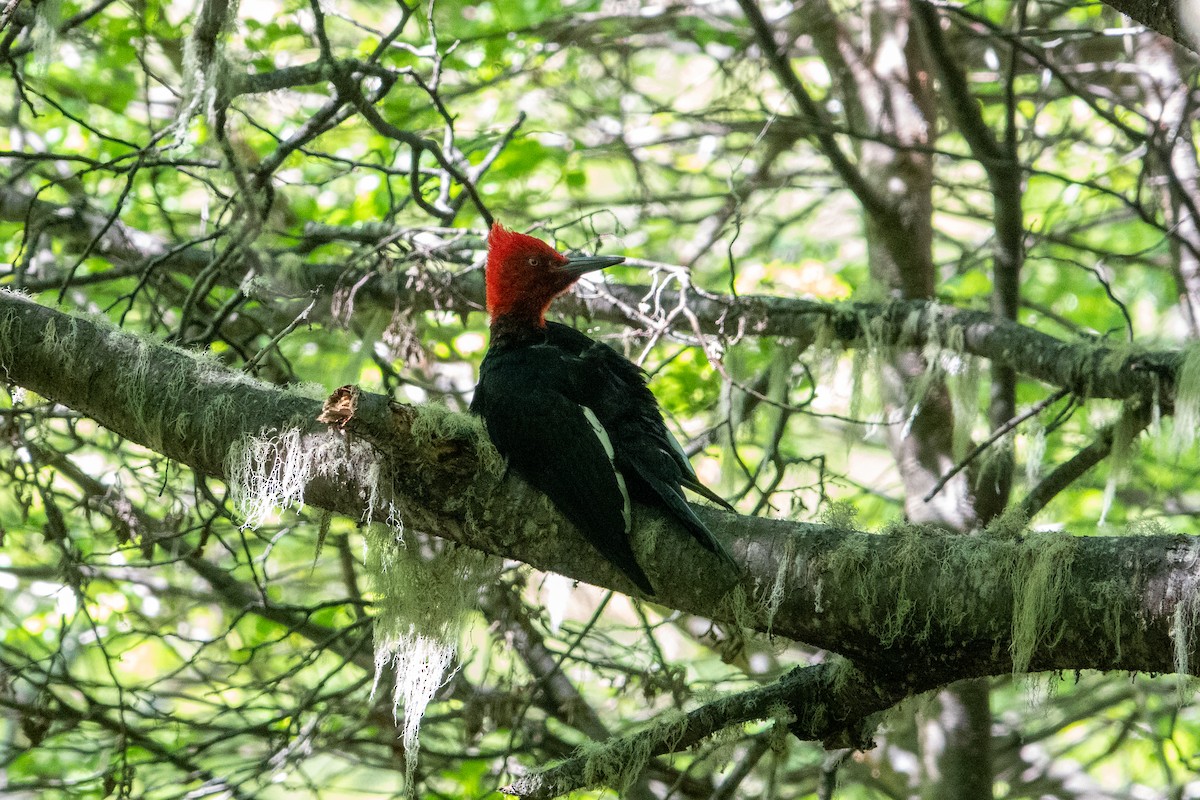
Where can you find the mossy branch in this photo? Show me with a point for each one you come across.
(910, 601)
(830, 702)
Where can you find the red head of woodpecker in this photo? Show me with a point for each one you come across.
(573, 417)
(525, 274)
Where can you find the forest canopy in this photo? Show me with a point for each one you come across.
(916, 285)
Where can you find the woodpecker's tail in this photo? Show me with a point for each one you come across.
(628, 565)
(673, 499)
(705, 492)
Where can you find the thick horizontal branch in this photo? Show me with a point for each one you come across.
(913, 608)
(914, 600)
(77, 228)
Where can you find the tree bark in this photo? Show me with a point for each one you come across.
(912, 602)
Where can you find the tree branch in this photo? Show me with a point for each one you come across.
(1157, 15)
(822, 131)
(898, 601)
(1090, 369)
(827, 702)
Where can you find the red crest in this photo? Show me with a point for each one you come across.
(524, 275)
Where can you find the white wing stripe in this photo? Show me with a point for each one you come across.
(606, 443)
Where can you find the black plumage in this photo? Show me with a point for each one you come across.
(572, 416)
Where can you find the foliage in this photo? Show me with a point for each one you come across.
(302, 189)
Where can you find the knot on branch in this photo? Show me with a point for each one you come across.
(430, 455)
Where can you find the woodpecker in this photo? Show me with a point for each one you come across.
(572, 416)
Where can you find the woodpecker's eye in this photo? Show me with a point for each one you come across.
(535, 261)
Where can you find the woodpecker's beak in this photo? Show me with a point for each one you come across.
(579, 265)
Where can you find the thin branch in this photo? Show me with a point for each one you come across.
(821, 130)
(829, 701)
(998, 434)
(301, 317)
(1070, 471)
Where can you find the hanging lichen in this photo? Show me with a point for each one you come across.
(772, 598)
(745, 613)
(204, 64)
(824, 351)
(269, 472)
(422, 602)
(911, 558)
(1035, 449)
(931, 357)
(7, 321)
(1187, 399)
(840, 515)
(1155, 425)
(781, 718)
(1185, 617)
(1039, 580)
(868, 355)
(963, 379)
(913, 593)
(422, 599)
(46, 21)
(1124, 431)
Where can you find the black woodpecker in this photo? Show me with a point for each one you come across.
(572, 416)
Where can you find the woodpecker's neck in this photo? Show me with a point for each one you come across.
(523, 295)
(516, 329)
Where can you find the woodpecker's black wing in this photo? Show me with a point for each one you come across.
(558, 445)
(617, 390)
(653, 463)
